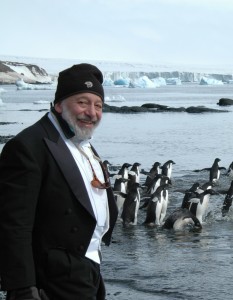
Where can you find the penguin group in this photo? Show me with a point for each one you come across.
(147, 192)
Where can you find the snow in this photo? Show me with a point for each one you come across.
(53, 65)
(210, 81)
(121, 71)
(21, 85)
(24, 71)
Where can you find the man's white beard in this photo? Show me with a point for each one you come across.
(81, 134)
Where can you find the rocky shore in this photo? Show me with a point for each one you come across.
(145, 108)
(153, 108)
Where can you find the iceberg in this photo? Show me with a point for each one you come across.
(122, 82)
(173, 81)
(159, 81)
(210, 81)
(22, 85)
(116, 98)
(143, 82)
(108, 82)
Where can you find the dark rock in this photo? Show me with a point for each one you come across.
(225, 102)
(202, 109)
(4, 139)
(153, 107)
(7, 123)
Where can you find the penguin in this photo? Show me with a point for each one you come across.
(155, 170)
(157, 206)
(166, 168)
(134, 175)
(228, 200)
(189, 194)
(119, 191)
(199, 203)
(123, 173)
(164, 203)
(156, 182)
(131, 205)
(214, 174)
(106, 165)
(207, 185)
(180, 219)
(230, 170)
(215, 171)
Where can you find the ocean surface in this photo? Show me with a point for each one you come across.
(149, 262)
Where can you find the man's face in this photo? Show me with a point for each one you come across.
(82, 112)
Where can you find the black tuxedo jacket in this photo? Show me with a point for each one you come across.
(44, 205)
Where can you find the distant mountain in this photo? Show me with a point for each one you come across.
(50, 67)
(54, 65)
(11, 71)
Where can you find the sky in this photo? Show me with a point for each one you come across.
(195, 32)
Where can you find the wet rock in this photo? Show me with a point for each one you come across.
(202, 109)
(7, 123)
(153, 107)
(6, 138)
(225, 102)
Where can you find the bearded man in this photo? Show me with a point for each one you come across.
(56, 204)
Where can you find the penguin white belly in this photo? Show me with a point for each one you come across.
(169, 172)
(202, 208)
(137, 200)
(164, 207)
(180, 223)
(120, 202)
(158, 210)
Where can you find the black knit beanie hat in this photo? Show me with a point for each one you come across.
(81, 78)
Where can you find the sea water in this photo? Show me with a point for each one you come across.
(151, 263)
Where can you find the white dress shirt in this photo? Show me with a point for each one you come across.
(98, 197)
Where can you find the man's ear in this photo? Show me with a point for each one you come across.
(58, 107)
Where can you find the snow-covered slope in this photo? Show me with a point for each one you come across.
(53, 66)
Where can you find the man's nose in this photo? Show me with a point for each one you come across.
(91, 111)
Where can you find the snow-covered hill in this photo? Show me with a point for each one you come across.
(53, 66)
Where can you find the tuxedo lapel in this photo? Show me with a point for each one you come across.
(69, 168)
